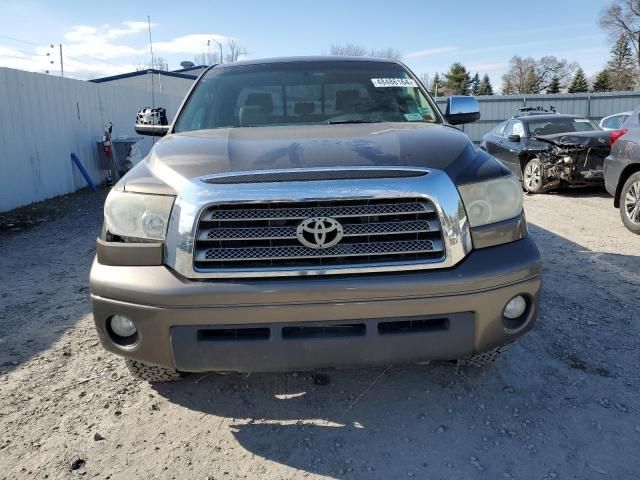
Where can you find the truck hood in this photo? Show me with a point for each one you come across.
(183, 157)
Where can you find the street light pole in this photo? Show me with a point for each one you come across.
(61, 64)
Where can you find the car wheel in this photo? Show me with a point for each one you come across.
(151, 373)
(532, 176)
(481, 359)
(630, 203)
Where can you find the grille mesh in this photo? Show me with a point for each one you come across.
(329, 211)
(263, 236)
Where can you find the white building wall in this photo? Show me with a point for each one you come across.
(44, 118)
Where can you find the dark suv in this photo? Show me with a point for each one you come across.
(622, 171)
(312, 212)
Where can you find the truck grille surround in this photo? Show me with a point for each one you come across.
(264, 235)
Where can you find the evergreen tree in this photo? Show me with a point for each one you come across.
(507, 87)
(436, 86)
(457, 80)
(621, 66)
(554, 85)
(602, 83)
(475, 84)
(485, 86)
(579, 83)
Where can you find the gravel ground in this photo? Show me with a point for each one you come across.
(562, 402)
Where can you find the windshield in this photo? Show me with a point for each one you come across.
(560, 125)
(305, 93)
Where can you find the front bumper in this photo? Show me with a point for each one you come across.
(290, 324)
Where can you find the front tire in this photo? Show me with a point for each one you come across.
(481, 359)
(630, 203)
(532, 176)
(151, 373)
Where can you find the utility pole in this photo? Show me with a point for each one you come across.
(61, 64)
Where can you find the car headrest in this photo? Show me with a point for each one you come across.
(345, 99)
(304, 108)
(251, 115)
(264, 100)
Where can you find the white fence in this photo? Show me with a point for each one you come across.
(44, 118)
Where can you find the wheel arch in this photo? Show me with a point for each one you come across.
(624, 176)
(527, 155)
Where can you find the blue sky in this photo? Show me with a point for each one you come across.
(110, 37)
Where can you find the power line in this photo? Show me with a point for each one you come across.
(21, 41)
(30, 53)
(67, 56)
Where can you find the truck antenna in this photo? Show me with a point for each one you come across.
(153, 95)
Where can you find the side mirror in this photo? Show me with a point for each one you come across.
(514, 138)
(152, 121)
(462, 109)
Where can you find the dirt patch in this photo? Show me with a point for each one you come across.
(29, 216)
(562, 403)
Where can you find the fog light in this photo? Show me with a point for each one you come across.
(515, 308)
(122, 326)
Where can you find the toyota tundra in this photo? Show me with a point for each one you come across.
(302, 213)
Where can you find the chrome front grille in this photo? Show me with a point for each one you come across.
(263, 236)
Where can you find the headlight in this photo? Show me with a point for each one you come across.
(137, 215)
(492, 201)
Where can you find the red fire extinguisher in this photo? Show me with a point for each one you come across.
(106, 141)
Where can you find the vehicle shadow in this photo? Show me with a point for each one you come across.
(439, 421)
(577, 192)
(47, 249)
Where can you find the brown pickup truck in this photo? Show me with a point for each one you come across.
(312, 212)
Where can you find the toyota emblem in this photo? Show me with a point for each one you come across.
(319, 232)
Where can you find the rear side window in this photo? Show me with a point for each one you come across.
(614, 122)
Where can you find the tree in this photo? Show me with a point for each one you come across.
(622, 18)
(221, 53)
(234, 51)
(621, 66)
(602, 83)
(507, 87)
(528, 75)
(355, 50)
(579, 83)
(207, 58)
(348, 50)
(390, 53)
(457, 80)
(554, 85)
(435, 88)
(425, 80)
(485, 86)
(159, 63)
(475, 84)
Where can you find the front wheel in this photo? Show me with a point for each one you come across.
(630, 203)
(151, 373)
(532, 176)
(481, 359)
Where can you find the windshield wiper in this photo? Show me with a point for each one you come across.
(341, 122)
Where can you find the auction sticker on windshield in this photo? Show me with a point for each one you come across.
(393, 82)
